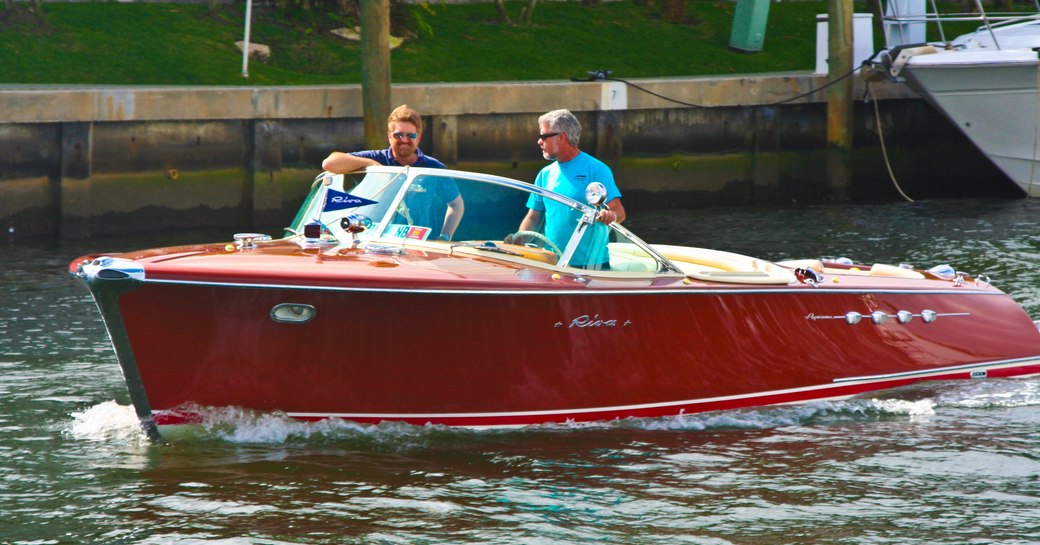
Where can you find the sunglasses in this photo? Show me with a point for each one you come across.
(547, 135)
(404, 135)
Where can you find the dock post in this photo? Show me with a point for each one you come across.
(839, 99)
(375, 70)
(445, 129)
(72, 192)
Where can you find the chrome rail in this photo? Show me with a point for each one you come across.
(988, 21)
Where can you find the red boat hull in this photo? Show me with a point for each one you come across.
(512, 358)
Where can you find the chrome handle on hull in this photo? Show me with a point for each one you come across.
(293, 313)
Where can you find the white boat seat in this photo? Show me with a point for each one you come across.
(719, 266)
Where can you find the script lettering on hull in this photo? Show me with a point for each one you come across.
(595, 320)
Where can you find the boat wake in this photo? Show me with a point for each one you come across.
(993, 394)
(107, 422)
(112, 422)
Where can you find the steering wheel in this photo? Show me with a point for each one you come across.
(543, 239)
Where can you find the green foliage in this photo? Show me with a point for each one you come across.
(194, 44)
(420, 27)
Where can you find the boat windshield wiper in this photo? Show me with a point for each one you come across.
(487, 246)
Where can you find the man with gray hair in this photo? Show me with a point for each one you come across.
(570, 174)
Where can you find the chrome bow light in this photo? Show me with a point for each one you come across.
(356, 224)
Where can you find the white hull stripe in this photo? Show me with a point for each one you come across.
(943, 370)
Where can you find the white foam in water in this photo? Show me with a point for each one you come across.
(789, 415)
(207, 539)
(107, 421)
(186, 504)
(111, 421)
(237, 425)
(243, 426)
(914, 409)
(994, 393)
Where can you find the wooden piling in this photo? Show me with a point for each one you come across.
(839, 98)
(375, 70)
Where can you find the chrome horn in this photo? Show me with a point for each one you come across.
(356, 224)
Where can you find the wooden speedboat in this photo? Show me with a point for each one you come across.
(361, 313)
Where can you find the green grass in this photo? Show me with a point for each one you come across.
(185, 44)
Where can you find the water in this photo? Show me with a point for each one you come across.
(942, 463)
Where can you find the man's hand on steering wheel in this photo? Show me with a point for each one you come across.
(515, 238)
(522, 237)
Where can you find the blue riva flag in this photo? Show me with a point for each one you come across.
(338, 200)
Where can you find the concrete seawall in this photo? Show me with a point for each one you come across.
(76, 162)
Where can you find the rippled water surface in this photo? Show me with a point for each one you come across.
(941, 463)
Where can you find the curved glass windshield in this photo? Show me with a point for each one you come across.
(481, 213)
(431, 208)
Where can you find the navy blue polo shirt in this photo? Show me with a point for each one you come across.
(386, 157)
(427, 197)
